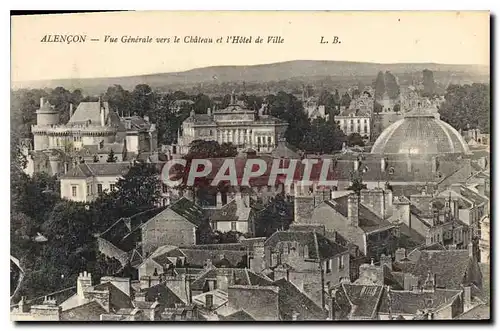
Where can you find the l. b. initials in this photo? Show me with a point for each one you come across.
(335, 40)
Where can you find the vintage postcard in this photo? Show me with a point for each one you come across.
(250, 166)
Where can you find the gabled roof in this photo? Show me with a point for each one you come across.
(161, 293)
(89, 111)
(319, 247)
(197, 257)
(292, 300)
(189, 210)
(90, 311)
(409, 302)
(363, 299)
(86, 170)
(368, 220)
(451, 267)
(117, 299)
(235, 276)
(285, 150)
(238, 316)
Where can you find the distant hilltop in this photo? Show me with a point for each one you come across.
(255, 73)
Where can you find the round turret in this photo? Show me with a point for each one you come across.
(46, 114)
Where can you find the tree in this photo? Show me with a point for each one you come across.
(429, 83)
(60, 98)
(467, 106)
(111, 157)
(289, 109)
(201, 104)
(227, 150)
(277, 215)
(391, 86)
(357, 182)
(142, 99)
(379, 86)
(140, 188)
(355, 139)
(118, 99)
(346, 100)
(325, 137)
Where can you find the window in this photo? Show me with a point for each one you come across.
(233, 226)
(340, 262)
(112, 187)
(269, 140)
(73, 191)
(99, 188)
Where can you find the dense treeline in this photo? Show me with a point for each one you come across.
(467, 106)
(169, 110)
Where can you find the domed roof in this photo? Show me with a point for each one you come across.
(420, 133)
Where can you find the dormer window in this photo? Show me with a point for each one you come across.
(391, 171)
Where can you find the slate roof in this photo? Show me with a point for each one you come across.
(89, 111)
(319, 247)
(117, 299)
(363, 299)
(189, 210)
(90, 311)
(450, 267)
(408, 302)
(86, 170)
(163, 294)
(238, 316)
(291, 300)
(235, 276)
(136, 123)
(368, 220)
(480, 312)
(197, 257)
(285, 150)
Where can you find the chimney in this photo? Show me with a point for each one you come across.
(70, 110)
(83, 282)
(101, 111)
(140, 296)
(353, 210)
(209, 301)
(467, 297)
(41, 102)
(386, 260)
(208, 264)
(408, 164)
(356, 165)
(400, 254)
(383, 164)
(146, 118)
(470, 248)
(209, 112)
(331, 312)
(295, 316)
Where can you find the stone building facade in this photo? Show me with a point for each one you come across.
(236, 124)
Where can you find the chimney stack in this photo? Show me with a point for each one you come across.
(356, 165)
(219, 200)
(41, 102)
(383, 164)
(209, 112)
(83, 282)
(209, 301)
(353, 210)
(70, 110)
(333, 302)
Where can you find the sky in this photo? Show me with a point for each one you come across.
(383, 37)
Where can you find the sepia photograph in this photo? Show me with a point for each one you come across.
(231, 166)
